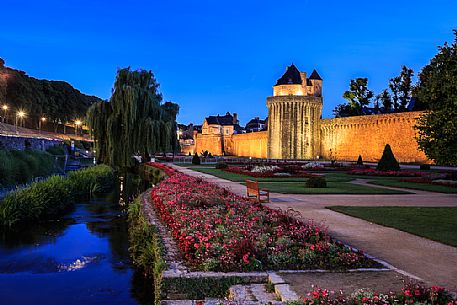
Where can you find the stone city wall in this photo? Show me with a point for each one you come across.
(253, 144)
(21, 143)
(211, 143)
(347, 138)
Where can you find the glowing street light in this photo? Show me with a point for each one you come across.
(77, 124)
(20, 114)
(41, 122)
(5, 109)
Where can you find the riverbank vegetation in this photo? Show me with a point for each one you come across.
(53, 196)
(22, 166)
(146, 247)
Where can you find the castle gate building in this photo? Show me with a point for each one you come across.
(294, 113)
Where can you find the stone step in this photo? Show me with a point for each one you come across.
(252, 294)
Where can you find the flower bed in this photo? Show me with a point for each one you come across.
(216, 230)
(411, 294)
(269, 171)
(373, 172)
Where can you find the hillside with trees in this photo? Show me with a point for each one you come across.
(58, 101)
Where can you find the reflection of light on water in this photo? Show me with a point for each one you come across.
(78, 264)
(121, 191)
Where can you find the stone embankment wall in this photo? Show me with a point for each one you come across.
(254, 144)
(347, 138)
(21, 143)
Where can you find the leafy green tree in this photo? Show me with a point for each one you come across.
(402, 87)
(437, 89)
(394, 86)
(358, 95)
(134, 121)
(406, 87)
(385, 99)
(343, 110)
(388, 161)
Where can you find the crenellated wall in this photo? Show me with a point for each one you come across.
(347, 138)
(254, 144)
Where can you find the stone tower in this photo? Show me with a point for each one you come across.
(294, 113)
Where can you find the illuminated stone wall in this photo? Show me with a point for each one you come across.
(293, 126)
(210, 142)
(347, 138)
(254, 144)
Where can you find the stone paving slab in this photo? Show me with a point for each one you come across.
(382, 282)
(431, 261)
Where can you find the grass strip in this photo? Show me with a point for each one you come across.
(435, 223)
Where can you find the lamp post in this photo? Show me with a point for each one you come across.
(20, 114)
(41, 122)
(77, 124)
(5, 109)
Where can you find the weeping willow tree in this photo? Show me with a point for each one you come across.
(134, 121)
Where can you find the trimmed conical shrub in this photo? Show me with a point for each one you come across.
(196, 159)
(360, 161)
(388, 161)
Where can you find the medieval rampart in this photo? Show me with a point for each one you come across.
(347, 138)
(254, 144)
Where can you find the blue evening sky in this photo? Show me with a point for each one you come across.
(216, 56)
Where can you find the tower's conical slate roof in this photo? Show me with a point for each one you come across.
(291, 77)
(315, 75)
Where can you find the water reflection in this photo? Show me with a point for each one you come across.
(80, 259)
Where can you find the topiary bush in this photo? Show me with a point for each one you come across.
(221, 165)
(360, 161)
(316, 182)
(196, 159)
(388, 161)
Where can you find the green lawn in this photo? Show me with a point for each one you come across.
(332, 188)
(194, 165)
(337, 183)
(241, 178)
(395, 182)
(438, 224)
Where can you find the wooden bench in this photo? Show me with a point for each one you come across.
(253, 191)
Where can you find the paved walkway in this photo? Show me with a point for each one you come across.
(431, 261)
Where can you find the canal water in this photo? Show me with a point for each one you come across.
(81, 258)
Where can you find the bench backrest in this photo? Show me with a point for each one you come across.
(252, 187)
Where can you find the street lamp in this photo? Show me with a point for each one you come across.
(20, 114)
(5, 109)
(77, 123)
(41, 122)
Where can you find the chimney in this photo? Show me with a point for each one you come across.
(235, 118)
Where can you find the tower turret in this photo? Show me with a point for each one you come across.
(294, 113)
